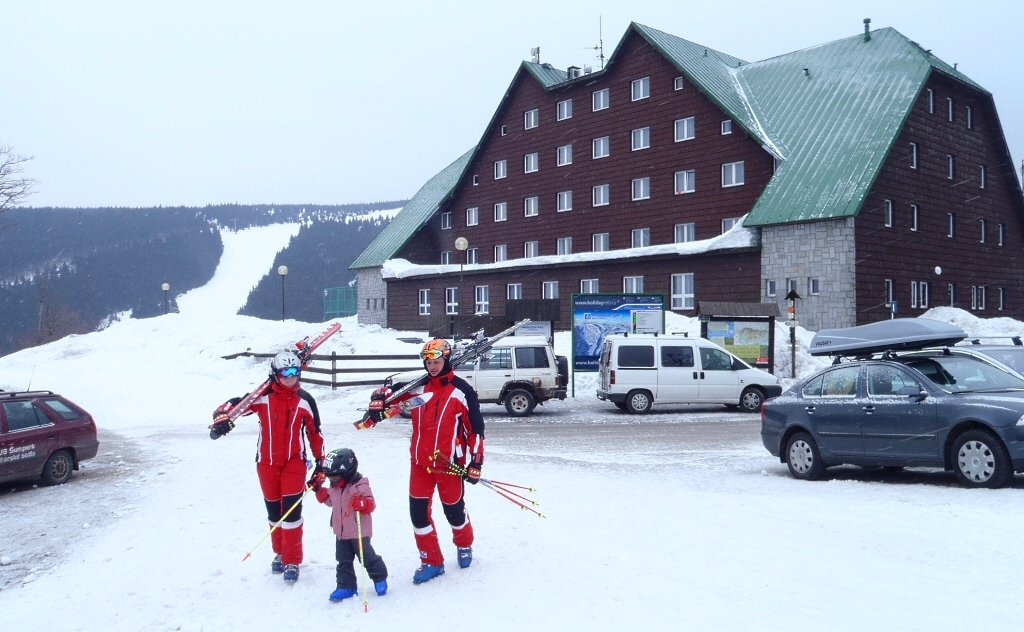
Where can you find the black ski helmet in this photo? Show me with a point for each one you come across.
(341, 462)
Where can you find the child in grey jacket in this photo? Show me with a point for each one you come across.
(350, 497)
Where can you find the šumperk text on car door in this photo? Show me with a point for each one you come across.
(898, 420)
(30, 436)
(831, 408)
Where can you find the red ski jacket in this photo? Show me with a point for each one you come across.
(287, 419)
(450, 422)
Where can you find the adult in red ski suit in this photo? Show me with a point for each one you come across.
(448, 424)
(288, 419)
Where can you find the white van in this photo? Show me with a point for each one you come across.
(519, 372)
(640, 370)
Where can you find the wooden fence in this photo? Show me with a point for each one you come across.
(379, 372)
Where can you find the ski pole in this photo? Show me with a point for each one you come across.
(362, 561)
(277, 524)
(513, 500)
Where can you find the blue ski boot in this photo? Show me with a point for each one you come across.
(426, 572)
(277, 566)
(342, 593)
(381, 587)
(291, 573)
(465, 556)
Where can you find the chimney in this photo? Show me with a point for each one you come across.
(867, 29)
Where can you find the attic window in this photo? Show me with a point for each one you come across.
(641, 88)
(476, 180)
(504, 130)
(726, 127)
(531, 119)
(950, 109)
(677, 83)
(970, 118)
(931, 101)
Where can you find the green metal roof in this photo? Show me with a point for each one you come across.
(546, 74)
(413, 215)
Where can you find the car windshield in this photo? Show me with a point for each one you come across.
(960, 374)
(1012, 357)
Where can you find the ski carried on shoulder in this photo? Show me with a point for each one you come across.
(394, 410)
(304, 349)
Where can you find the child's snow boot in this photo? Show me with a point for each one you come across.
(291, 573)
(381, 587)
(465, 556)
(277, 566)
(342, 593)
(426, 572)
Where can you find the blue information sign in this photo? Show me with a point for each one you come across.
(594, 316)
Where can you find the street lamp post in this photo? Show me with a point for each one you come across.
(165, 287)
(283, 271)
(461, 244)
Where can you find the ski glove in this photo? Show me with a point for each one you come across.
(473, 470)
(316, 481)
(362, 504)
(371, 419)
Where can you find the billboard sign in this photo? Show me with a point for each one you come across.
(594, 316)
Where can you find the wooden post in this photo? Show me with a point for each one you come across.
(334, 367)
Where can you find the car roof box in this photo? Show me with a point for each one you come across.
(896, 334)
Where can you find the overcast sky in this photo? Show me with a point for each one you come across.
(147, 103)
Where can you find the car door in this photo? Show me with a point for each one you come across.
(677, 376)
(30, 436)
(636, 368)
(897, 425)
(833, 413)
(532, 364)
(493, 372)
(717, 381)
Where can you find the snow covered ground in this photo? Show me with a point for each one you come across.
(675, 520)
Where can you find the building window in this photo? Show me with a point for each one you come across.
(642, 138)
(531, 162)
(982, 226)
(913, 217)
(769, 288)
(913, 294)
(531, 119)
(641, 88)
(814, 286)
(791, 284)
(446, 257)
(451, 300)
(632, 284)
(600, 242)
(922, 297)
(983, 176)
(641, 189)
(686, 181)
(501, 211)
(726, 127)
(514, 291)
(641, 237)
(951, 229)
(531, 206)
(951, 162)
(950, 109)
(446, 220)
(482, 304)
(913, 155)
(500, 253)
(890, 292)
(564, 155)
(500, 170)
(889, 214)
(952, 294)
(685, 129)
(1001, 294)
(473, 255)
(684, 233)
(601, 195)
(588, 286)
(564, 246)
(931, 101)
(563, 110)
(677, 83)
(970, 120)
(476, 180)
(732, 174)
(549, 289)
(602, 147)
(565, 200)
(978, 297)
(601, 100)
(424, 302)
(1002, 231)
(530, 249)
(682, 291)
(504, 130)
(729, 222)
(472, 216)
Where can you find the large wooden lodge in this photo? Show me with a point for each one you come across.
(861, 172)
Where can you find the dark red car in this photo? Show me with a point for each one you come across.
(43, 435)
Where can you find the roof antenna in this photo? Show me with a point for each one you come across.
(867, 29)
(30, 375)
(600, 42)
(535, 53)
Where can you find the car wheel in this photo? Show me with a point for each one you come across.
(980, 460)
(58, 468)
(751, 400)
(803, 458)
(519, 403)
(638, 402)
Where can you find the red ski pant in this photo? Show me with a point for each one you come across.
(422, 483)
(282, 487)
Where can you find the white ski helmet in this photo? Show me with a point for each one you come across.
(285, 360)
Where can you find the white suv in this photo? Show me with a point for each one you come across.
(638, 371)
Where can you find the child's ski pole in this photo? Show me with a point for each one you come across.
(362, 561)
(277, 524)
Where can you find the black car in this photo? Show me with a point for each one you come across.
(43, 435)
(917, 406)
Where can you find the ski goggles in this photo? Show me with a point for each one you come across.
(290, 371)
(431, 354)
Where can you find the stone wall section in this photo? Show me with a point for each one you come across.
(371, 293)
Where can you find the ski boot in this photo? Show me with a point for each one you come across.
(381, 587)
(342, 593)
(426, 572)
(291, 573)
(465, 556)
(277, 566)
